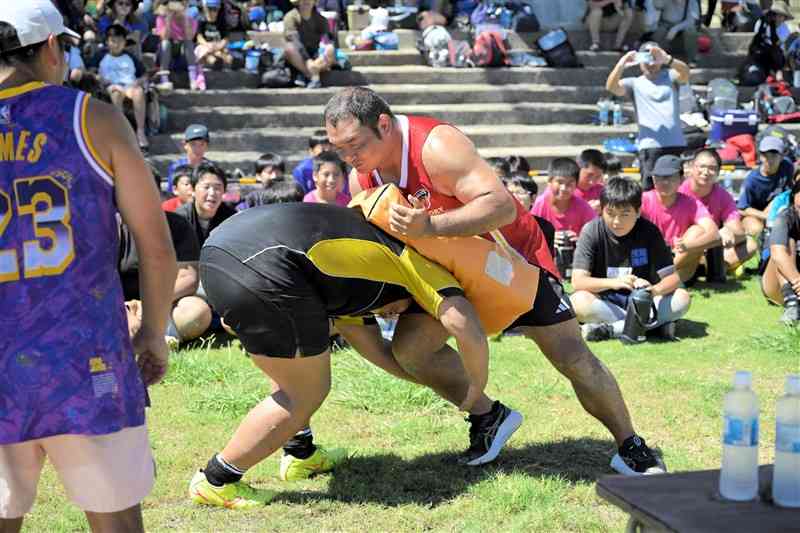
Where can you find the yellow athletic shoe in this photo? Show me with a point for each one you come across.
(322, 460)
(231, 496)
(739, 272)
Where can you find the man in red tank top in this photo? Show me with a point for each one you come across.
(453, 192)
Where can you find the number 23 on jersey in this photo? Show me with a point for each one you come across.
(42, 203)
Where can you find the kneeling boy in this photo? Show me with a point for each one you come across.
(620, 252)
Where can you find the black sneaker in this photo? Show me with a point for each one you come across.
(636, 459)
(666, 331)
(597, 331)
(488, 434)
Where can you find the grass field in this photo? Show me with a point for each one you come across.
(404, 476)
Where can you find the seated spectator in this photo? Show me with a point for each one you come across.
(212, 38)
(190, 315)
(766, 50)
(303, 173)
(310, 46)
(618, 252)
(181, 187)
(590, 179)
(268, 168)
(195, 144)
(613, 166)
(501, 167)
(124, 78)
(329, 174)
(207, 211)
(524, 189)
(177, 28)
(123, 12)
(655, 95)
(517, 164)
(609, 15)
(773, 176)
(781, 279)
(565, 211)
(685, 223)
(734, 245)
(678, 25)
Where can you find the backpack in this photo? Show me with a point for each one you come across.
(525, 21)
(490, 50)
(722, 95)
(490, 13)
(751, 75)
(557, 50)
(433, 46)
(459, 54)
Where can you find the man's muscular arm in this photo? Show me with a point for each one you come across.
(456, 169)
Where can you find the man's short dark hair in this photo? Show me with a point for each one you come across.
(269, 159)
(116, 30)
(317, 138)
(592, 157)
(207, 167)
(329, 156)
(180, 172)
(709, 152)
(563, 166)
(275, 192)
(501, 166)
(621, 192)
(518, 164)
(613, 163)
(359, 103)
(526, 182)
(25, 54)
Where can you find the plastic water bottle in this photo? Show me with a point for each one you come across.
(603, 106)
(786, 476)
(617, 114)
(738, 478)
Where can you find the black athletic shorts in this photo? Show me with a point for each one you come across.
(278, 316)
(551, 306)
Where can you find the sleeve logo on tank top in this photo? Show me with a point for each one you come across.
(424, 195)
(5, 116)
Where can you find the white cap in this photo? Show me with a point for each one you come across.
(742, 378)
(793, 384)
(34, 21)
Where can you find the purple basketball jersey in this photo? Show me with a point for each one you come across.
(66, 362)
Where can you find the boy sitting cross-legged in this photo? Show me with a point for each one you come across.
(617, 253)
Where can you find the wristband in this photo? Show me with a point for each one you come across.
(671, 59)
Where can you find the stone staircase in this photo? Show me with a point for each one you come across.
(539, 113)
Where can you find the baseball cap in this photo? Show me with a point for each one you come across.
(667, 165)
(771, 144)
(33, 21)
(195, 131)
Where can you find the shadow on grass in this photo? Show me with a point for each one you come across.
(706, 290)
(434, 479)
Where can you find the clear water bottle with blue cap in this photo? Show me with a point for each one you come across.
(603, 107)
(738, 477)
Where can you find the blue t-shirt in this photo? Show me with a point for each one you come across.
(759, 190)
(657, 109)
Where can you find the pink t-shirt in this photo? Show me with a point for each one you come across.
(719, 203)
(342, 199)
(675, 220)
(176, 29)
(577, 214)
(592, 193)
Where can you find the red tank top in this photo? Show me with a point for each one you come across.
(522, 235)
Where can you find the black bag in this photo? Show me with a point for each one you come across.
(751, 74)
(525, 20)
(277, 77)
(557, 50)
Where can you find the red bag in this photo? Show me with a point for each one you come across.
(786, 117)
(490, 50)
(779, 88)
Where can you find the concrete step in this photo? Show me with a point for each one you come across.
(232, 118)
(538, 156)
(373, 58)
(486, 136)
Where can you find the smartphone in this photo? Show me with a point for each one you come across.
(644, 57)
